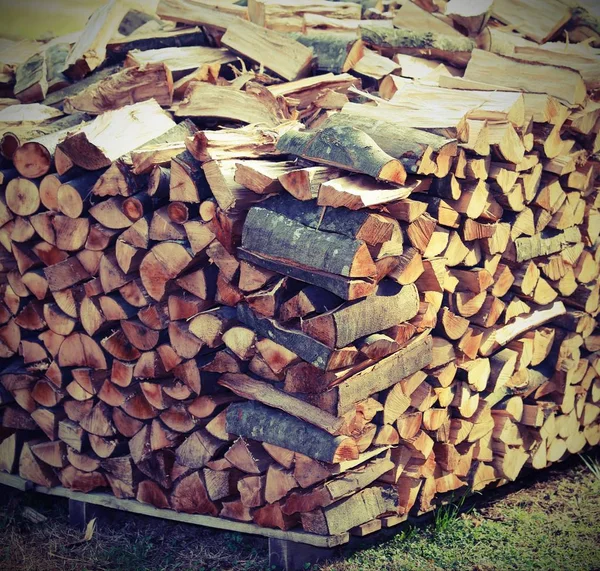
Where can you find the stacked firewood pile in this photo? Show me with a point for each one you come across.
(311, 264)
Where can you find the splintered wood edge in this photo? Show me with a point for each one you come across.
(133, 506)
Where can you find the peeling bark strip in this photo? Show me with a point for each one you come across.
(274, 236)
(258, 422)
(344, 147)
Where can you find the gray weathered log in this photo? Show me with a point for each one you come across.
(406, 144)
(390, 305)
(259, 422)
(346, 288)
(344, 147)
(274, 236)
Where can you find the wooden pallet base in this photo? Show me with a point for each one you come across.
(288, 550)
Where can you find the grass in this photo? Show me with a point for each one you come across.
(593, 465)
(446, 516)
(549, 522)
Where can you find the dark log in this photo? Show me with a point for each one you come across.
(256, 421)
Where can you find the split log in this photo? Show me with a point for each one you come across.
(213, 15)
(336, 146)
(264, 424)
(537, 20)
(254, 105)
(389, 306)
(338, 400)
(277, 237)
(346, 514)
(453, 49)
(89, 51)
(305, 347)
(288, 59)
(278, 15)
(336, 52)
(419, 152)
(265, 393)
(131, 85)
(102, 141)
(568, 85)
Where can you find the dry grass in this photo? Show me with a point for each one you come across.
(121, 542)
(550, 522)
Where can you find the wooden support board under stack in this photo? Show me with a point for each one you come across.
(310, 269)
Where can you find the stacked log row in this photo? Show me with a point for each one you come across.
(329, 323)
